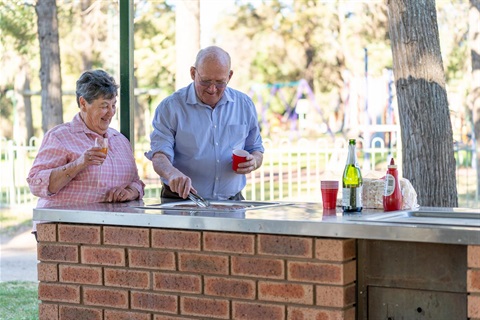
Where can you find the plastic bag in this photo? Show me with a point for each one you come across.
(373, 188)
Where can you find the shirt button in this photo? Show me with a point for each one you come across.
(216, 143)
(218, 161)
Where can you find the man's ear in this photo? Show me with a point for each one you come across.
(192, 73)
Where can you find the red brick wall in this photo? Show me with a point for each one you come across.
(473, 282)
(107, 272)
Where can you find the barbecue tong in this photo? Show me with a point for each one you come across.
(198, 200)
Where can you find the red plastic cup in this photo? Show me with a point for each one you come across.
(238, 156)
(329, 212)
(329, 193)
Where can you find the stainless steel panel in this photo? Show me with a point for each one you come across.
(396, 264)
(402, 304)
(303, 219)
(408, 265)
(432, 216)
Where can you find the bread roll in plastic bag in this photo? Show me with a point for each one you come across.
(372, 193)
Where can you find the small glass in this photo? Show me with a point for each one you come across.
(102, 143)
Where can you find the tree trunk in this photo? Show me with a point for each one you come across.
(474, 96)
(24, 127)
(426, 130)
(139, 119)
(50, 76)
(187, 39)
(342, 50)
(87, 35)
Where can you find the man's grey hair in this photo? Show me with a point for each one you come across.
(213, 53)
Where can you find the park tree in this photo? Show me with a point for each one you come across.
(474, 96)
(187, 39)
(50, 70)
(315, 40)
(155, 65)
(17, 42)
(285, 42)
(426, 130)
(85, 28)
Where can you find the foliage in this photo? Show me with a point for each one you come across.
(18, 300)
(5, 101)
(18, 46)
(17, 26)
(315, 40)
(154, 47)
(17, 38)
(298, 37)
(273, 41)
(454, 44)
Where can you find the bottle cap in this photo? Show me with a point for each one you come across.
(392, 164)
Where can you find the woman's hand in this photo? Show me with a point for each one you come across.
(62, 175)
(92, 156)
(121, 194)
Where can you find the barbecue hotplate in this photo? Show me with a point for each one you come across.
(220, 205)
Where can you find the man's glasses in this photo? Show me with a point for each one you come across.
(218, 85)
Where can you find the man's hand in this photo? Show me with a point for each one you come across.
(254, 161)
(177, 181)
(181, 184)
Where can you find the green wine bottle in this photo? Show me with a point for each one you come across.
(352, 182)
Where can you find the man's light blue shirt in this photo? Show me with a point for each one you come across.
(199, 140)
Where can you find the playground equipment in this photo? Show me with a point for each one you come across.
(295, 108)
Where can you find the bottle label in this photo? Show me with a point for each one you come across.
(352, 197)
(389, 185)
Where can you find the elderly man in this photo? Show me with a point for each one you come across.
(196, 129)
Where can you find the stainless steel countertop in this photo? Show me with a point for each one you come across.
(434, 225)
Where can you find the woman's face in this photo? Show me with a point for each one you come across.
(98, 114)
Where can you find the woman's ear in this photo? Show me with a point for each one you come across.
(83, 103)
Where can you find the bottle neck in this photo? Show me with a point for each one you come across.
(392, 170)
(352, 156)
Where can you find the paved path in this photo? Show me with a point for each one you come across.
(18, 258)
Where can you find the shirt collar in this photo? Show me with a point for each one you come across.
(78, 125)
(193, 99)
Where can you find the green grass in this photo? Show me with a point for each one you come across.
(18, 300)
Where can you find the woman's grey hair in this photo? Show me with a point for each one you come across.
(94, 84)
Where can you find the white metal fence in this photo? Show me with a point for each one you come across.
(15, 161)
(291, 170)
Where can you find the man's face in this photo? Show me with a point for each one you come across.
(210, 80)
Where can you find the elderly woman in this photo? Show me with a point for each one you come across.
(69, 168)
